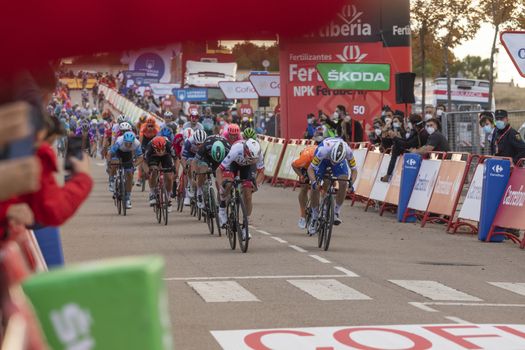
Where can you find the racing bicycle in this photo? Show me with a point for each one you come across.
(119, 193)
(161, 196)
(210, 212)
(237, 217)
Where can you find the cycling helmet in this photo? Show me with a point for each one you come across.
(121, 118)
(249, 133)
(151, 120)
(199, 136)
(168, 114)
(94, 122)
(125, 126)
(194, 113)
(129, 137)
(158, 144)
(84, 126)
(218, 152)
(233, 129)
(338, 152)
(252, 149)
(166, 132)
(143, 118)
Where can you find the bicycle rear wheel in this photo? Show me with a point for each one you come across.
(158, 206)
(123, 193)
(242, 225)
(117, 195)
(210, 211)
(230, 225)
(165, 200)
(329, 221)
(180, 194)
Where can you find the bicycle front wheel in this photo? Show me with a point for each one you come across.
(117, 195)
(210, 210)
(164, 208)
(230, 225)
(242, 225)
(329, 221)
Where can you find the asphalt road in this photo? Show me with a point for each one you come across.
(376, 272)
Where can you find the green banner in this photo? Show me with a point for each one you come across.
(355, 76)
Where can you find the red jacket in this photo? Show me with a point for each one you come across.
(52, 205)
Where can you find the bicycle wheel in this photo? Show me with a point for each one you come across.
(123, 193)
(210, 210)
(165, 205)
(242, 225)
(180, 194)
(158, 205)
(308, 212)
(329, 221)
(320, 225)
(230, 226)
(117, 195)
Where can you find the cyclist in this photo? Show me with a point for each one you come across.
(148, 131)
(168, 118)
(233, 134)
(142, 121)
(209, 156)
(300, 166)
(85, 98)
(194, 122)
(249, 133)
(332, 154)
(242, 159)
(85, 131)
(115, 129)
(127, 149)
(191, 146)
(159, 154)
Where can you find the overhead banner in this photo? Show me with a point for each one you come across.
(163, 89)
(266, 85)
(238, 90)
(156, 63)
(355, 76)
(191, 94)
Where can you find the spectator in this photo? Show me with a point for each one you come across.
(270, 124)
(246, 122)
(486, 123)
(440, 111)
(415, 137)
(506, 141)
(333, 123)
(311, 126)
(351, 130)
(436, 142)
(375, 136)
(429, 112)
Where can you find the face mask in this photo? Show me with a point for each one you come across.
(410, 126)
(222, 123)
(234, 113)
(430, 130)
(397, 125)
(378, 132)
(439, 112)
(407, 135)
(500, 124)
(267, 119)
(335, 116)
(487, 129)
(245, 119)
(348, 118)
(383, 113)
(428, 117)
(309, 120)
(388, 120)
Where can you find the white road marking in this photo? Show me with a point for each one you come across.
(518, 288)
(280, 240)
(320, 259)
(264, 232)
(422, 306)
(457, 320)
(299, 249)
(434, 290)
(473, 304)
(329, 289)
(222, 291)
(251, 277)
(346, 272)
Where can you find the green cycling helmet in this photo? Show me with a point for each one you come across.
(217, 151)
(249, 133)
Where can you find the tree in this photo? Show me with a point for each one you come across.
(461, 21)
(472, 67)
(426, 15)
(250, 56)
(434, 64)
(498, 13)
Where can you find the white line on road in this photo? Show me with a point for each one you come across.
(457, 320)
(222, 291)
(346, 272)
(299, 249)
(422, 306)
(473, 304)
(264, 232)
(434, 290)
(329, 289)
(280, 240)
(251, 277)
(320, 259)
(518, 288)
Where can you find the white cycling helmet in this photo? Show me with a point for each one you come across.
(252, 149)
(338, 152)
(121, 118)
(199, 136)
(125, 126)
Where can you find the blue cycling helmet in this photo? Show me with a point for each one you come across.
(167, 133)
(129, 137)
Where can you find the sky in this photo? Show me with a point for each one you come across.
(481, 45)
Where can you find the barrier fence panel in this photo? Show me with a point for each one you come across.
(392, 195)
(447, 190)
(380, 188)
(368, 176)
(424, 186)
(359, 156)
(263, 141)
(273, 156)
(285, 171)
(471, 208)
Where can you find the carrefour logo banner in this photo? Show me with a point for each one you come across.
(355, 76)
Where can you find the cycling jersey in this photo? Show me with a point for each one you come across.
(204, 153)
(189, 149)
(178, 143)
(305, 158)
(323, 153)
(197, 126)
(236, 156)
(121, 146)
(226, 135)
(150, 152)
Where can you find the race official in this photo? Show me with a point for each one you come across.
(506, 141)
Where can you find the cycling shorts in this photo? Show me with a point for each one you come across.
(165, 161)
(126, 158)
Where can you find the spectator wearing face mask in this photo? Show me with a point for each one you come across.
(310, 127)
(506, 141)
(486, 123)
(415, 137)
(246, 122)
(429, 112)
(440, 111)
(270, 124)
(375, 136)
(436, 142)
(333, 123)
(351, 130)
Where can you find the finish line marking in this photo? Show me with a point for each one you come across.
(252, 277)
